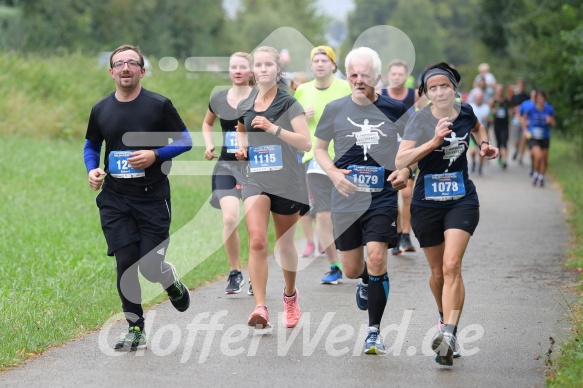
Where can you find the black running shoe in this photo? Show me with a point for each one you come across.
(250, 290)
(396, 251)
(178, 293)
(135, 339)
(405, 243)
(234, 282)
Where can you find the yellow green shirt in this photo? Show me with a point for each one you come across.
(308, 95)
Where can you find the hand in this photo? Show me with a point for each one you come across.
(488, 151)
(442, 130)
(309, 112)
(208, 154)
(264, 124)
(343, 185)
(95, 178)
(399, 178)
(141, 159)
(241, 154)
(548, 119)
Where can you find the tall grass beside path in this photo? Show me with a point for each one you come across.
(52, 96)
(565, 164)
(56, 281)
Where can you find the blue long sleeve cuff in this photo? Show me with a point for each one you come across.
(91, 152)
(177, 147)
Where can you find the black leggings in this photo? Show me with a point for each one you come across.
(149, 258)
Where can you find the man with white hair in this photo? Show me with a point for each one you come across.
(484, 70)
(364, 127)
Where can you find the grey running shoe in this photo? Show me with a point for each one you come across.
(234, 282)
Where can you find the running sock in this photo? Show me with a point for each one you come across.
(448, 328)
(337, 264)
(440, 316)
(378, 294)
(364, 276)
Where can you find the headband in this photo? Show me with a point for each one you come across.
(439, 71)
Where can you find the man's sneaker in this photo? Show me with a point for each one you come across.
(250, 290)
(309, 250)
(332, 277)
(405, 243)
(373, 344)
(443, 345)
(133, 340)
(362, 296)
(456, 346)
(396, 251)
(178, 293)
(259, 318)
(291, 310)
(234, 282)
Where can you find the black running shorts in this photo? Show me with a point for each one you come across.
(355, 229)
(125, 220)
(429, 224)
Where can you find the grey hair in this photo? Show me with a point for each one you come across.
(366, 52)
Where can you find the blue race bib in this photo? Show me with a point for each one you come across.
(444, 187)
(231, 142)
(314, 168)
(119, 168)
(369, 179)
(538, 133)
(265, 158)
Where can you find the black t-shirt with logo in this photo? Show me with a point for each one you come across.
(364, 136)
(450, 157)
(228, 120)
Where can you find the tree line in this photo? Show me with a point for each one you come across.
(540, 40)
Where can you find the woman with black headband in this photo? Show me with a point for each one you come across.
(445, 206)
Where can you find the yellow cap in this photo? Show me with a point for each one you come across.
(323, 50)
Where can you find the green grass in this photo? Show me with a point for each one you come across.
(56, 281)
(565, 164)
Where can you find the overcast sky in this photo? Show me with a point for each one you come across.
(338, 9)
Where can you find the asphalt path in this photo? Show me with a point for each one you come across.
(516, 300)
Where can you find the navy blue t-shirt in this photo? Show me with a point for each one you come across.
(366, 136)
(450, 157)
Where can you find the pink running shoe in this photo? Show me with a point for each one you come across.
(291, 310)
(259, 318)
(309, 250)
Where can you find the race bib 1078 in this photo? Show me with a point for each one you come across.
(444, 187)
